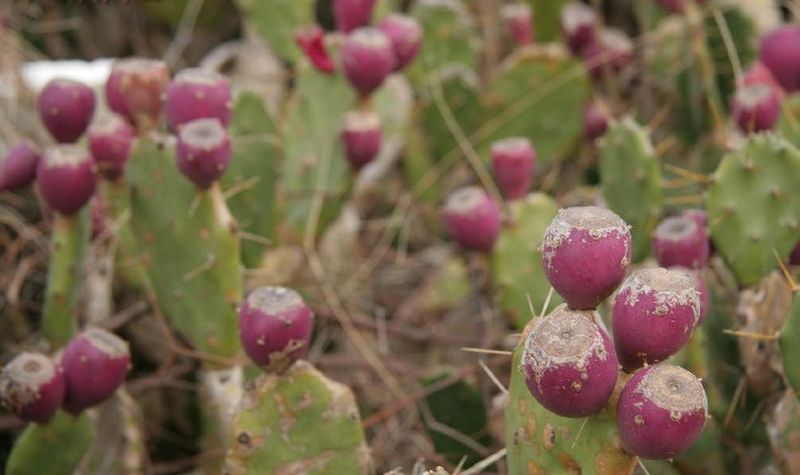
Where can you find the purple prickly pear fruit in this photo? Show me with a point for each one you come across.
(135, 90)
(655, 311)
(18, 168)
(661, 412)
(361, 137)
(578, 22)
(198, 94)
(519, 21)
(66, 107)
(203, 151)
(95, 364)
(611, 51)
(512, 163)
(700, 286)
(595, 119)
(472, 218)
(368, 58)
(760, 74)
(794, 257)
(780, 52)
(569, 363)
(756, 108)
(699, 216)
(680, 241)
(586, 251)
(351, 14)
(405, 33)
(311, 40)
(32, 387)
(66, 178)
(110, 139)
(275, 327)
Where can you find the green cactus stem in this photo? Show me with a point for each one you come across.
(55, 448)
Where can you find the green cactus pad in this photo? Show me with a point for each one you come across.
(516, 261)
(631, 181)
(547, 19)
(297, 422)
(789, 342)
(449, 37)
(789, 124)
(53, 449)
(539, 441)
(277, 20)
(68, 247)
(540, 93)
(754, 207)
(743, 33)
(254, 169)
(188, 248)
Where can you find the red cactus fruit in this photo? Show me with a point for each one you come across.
(32, 387)
(780, 52)
(405, 33)
(198, 94)
(66, 178)
(361, 137)
(513, 160)
(519, 22)
(472, 218)
(135, 90)
(596, 117)
(578, 23)
(110, 139)
(18, 168)
(351, 14)
(756, 108)
(680, 241)
(66, 107)
(203, 151)
(367, 58)
(311, 40)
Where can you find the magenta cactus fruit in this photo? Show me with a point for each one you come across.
(311, 39)
(794, 257)
(405, 33)
(756, 108)
(661, 412)
(275, 327)
(110, 139)
(32, 387)
(472, 218)
(135, 90)
(578, 23)
(654, 313)
(699, 216)
(780, 52)
(197, 94)
(512, 163)
(586, 251)
(66, 107)
(519, 22)
(569, 363)
(760, 74)
(361, 137)
(203, 151)
(66, 178)
(367, 58)
(18, 168)
(595, 119)
(611, 50)
(680, 241)
(351, 14)
(95, 364)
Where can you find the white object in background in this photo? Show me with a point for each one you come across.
(36, 74)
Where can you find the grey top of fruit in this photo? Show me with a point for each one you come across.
(575, 14)
(370, 37)
(107, 342)
(672, 287)
(465, 200)
(274, 300)
(751, 96)
(23, 376)
(676, 228)
(674, 389)
(205, 133)
(511, 144)
(199, 76)
(358, 120)
(105, 123)
(65, 155)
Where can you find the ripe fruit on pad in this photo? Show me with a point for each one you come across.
(595, 119)
(780, 52)
(611, 50)
(578, 23)
(110, 139)
(66, 178)
(756, 108)
(275, 327)
(18, 168)
(66, 107)
(472, 218)
(197, 94)
(95, 364)
(367, 58)
(405, 33)
(661, 412)
(681, 241)
(512, 163)
(203, 151)
(361, 137)
(654, 313)
(519, 21)
(32, 387)
(135, 90)
(586, 251)
(350, 14)
(569, 363)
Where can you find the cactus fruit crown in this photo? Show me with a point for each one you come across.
(138, 64)
(464, 200)
(21, 378)
(274, 300)
(66, 155)
(409, 24)
(598, 222)
(676, 228)
(674, 389)
(360, 121)
(370, 37)
(753, 95)
(575, 14)
(199, 76)
(204, 133)
(564, 337)
(514, 10)
(109, 343)
(615, 39)
(671, 287)
(511, 144)
(106, 124)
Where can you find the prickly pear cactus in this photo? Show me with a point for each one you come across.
(789, 343)
(753, 206)
(55, 448)
(297, 422)
(539, 93)
(789, 123)
(516, 261)
(631, 181)
(188, 247)
(251, 176)
(539, 441)
(547, 19)
(277, 21)
(449, 36)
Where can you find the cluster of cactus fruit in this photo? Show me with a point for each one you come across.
(623, 369)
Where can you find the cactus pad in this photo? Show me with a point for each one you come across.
(449, 36)
(277, 20)
(54, 449)
(789, 342)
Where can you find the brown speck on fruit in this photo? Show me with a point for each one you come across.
(638, 420)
